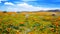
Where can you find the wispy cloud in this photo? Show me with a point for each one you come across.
(8, 3)
(21, 7)
(0, 1)
(24, 7)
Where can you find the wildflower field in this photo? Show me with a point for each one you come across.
(30, 23)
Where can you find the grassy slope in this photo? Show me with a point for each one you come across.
(29, 22)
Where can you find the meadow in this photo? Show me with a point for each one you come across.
(30, 23)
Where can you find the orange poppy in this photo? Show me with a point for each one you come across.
(56, 23)
(8, 29)
(31, 33)
(17, 32)
(57, 29)
(56, 32)
(52, 29)
(22, 22)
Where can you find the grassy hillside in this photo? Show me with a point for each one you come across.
(30, 23)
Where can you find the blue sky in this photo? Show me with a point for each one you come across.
(29, 5)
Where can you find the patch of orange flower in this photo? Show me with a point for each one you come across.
(22, 22)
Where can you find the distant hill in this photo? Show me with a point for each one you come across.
(54, 10)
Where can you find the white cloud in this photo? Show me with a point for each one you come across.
(0, 1)
(8, 3)
(24, 7)
(12, 9)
